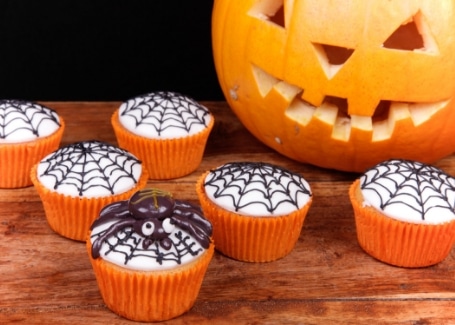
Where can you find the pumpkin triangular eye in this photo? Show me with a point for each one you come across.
(278, 17)
(413, 34)
(271, 10)
(332, 57)
(336, 55)
(406, 37)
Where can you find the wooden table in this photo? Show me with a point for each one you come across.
(327, 278)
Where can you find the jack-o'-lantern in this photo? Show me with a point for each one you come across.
(341, 84)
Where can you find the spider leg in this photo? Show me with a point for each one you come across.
(194, 213)
(117, 210)
(189, 222)
(96, 246)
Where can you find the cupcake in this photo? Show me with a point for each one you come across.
(257, 209)
(405, 213)
(28, 132)
(75, 182)
(150, 254)
(167, 130)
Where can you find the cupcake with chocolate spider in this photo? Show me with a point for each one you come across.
(405, 213)
(76, 181)
(150, 254)
(257, 209)
(28, 132)
(167, 130)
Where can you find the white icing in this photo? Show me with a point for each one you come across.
(410, 192)
(22, 121)
(263, 191)
(163, 115)
(101, 171)
(145, 259)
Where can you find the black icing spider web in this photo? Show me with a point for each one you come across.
(163, 110)
(418, 186)
(128, 243)
(29, 114)
(273, 185)
(89, 164)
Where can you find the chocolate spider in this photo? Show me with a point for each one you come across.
(153, 214)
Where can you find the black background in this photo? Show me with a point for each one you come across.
(105, 50)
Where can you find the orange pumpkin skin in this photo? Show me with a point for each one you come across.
(382, 100)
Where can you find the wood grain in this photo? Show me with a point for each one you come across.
(327, 278)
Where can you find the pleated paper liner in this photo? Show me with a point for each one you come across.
(252, 239)
(397, 242)
(70, 216)
(164, 158)
(18, 158)
(150, 296)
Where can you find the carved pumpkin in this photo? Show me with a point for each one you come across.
(341, 84)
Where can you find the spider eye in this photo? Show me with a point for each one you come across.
(148, 228)
(167, 226)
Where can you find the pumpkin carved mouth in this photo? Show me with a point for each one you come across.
(305, 105)
(334, 110)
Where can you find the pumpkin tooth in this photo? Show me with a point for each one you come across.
(342, 128)
(326, 113)
(384, 129)
(364, 123)
(422, 112)
(264, 81)
(288, 91)
(300, 111)
(398, 111)
(381, 131)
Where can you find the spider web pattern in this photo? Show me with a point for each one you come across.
(165, 110)
(90, 164)
(258, 184)
(17, 116)
(420, 187)
(128, 244)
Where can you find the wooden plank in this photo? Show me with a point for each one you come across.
(309, 312)
(326, 279)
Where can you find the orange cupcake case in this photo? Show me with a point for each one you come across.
(150, 254)
(167, 130)
(24, 140)
(257, 209)
(404, 213)
(76, 181)
(150, 296)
